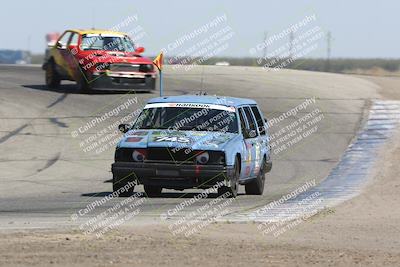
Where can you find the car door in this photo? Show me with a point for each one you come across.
(70, 58)
(262, 147)
(250, 140)
(61, 54)
(245, 152)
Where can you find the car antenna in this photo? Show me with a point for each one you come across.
(93, 19)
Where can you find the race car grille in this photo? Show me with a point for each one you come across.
(170, 155)
(131, 67)
(128, 80)
(125, 67)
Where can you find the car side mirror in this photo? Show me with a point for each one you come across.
(123, 128)
(59, 45)
(139, 50)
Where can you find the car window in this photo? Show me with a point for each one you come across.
(242, 121)
(108, 43)
(187, 119)
(259, 120)
(64, 40)
(74, 39)
(250, 120)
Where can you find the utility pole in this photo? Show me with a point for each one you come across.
(291, 40)
(265, 45)
(328, 51)
(28, 49)
(28, 44)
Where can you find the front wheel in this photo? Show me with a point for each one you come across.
(256, 187)
(83, 83)
(233, 189)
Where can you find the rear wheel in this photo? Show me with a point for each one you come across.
(256, 187)
(52, 78)
(234, 182)
(118, 184)
(152, 191)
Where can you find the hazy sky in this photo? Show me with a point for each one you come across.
(359, 28)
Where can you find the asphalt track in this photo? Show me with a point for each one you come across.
(45, 176)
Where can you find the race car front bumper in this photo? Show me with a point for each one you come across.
(124, 81)
(172, 176)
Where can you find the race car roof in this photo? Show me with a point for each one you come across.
(96, 31)
(204, 99)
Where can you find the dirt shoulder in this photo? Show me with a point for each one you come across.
(363, 231)
(388, 86)
(219, 245)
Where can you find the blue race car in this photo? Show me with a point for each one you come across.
(181, 142)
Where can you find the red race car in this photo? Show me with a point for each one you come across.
(99, 59)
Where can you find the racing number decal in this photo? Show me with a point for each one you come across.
(178, 139)
(257, 158)
(249, 148)
(248, 161)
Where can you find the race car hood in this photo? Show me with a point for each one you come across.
(196, 140)
(100, 56)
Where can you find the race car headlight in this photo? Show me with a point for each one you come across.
(203, 158)
(221, 159)
(139, 155)
(146, 68)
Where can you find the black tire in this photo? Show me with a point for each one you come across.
(52, 77)
(152, 190)
(256, 187)
(234, 188)
(82, 83)
(119, 183)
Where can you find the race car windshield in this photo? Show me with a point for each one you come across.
(187, 119)
(107, 43)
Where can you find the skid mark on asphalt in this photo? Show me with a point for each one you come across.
(345, 181)
(57, 122)
(50, 162)
(58, 100)
(12, 133)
